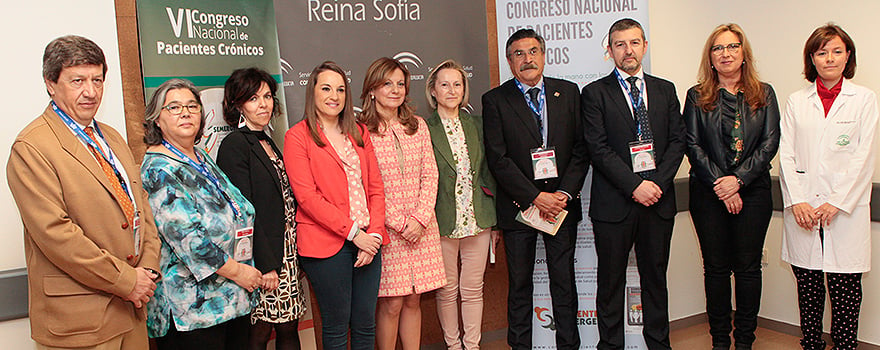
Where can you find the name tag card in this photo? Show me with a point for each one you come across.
(244, 244)
(544, 163)
(642, 155)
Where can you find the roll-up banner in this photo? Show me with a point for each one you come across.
(354, 33)
(204, 41)
(576, 34)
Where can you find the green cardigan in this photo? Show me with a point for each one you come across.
(484, 184)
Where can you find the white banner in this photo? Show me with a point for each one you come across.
(575, 32)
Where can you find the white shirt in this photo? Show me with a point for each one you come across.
(640, 83)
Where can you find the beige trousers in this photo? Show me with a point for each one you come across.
(468, 280)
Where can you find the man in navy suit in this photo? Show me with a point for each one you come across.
(534, 147)
(635, 136)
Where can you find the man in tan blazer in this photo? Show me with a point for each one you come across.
(90, 241)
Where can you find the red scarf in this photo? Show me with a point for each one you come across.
(828, 96)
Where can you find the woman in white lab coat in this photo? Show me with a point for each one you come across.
(826, 158)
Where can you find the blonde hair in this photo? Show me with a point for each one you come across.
(432, 79)
(707, 78)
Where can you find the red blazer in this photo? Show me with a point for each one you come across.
(320, 186)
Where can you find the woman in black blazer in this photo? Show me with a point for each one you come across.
(253, 163)
(732, 123)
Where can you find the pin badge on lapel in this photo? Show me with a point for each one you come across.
(556, 94)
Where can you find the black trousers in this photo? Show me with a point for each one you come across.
(229, 335)
(731, 244)
(519, 246)
(650, 234)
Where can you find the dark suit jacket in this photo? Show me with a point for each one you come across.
(609, 128)
(243, 159)
(483, 183)
(511, 132)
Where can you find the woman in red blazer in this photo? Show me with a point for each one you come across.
(341, 220)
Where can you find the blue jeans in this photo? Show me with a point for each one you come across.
(346, 296)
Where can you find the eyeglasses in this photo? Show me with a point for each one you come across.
(732, 48)
(176, 109)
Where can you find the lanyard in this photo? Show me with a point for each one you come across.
(635, 104)
(537, 109)
(203, 169)
(89, 141)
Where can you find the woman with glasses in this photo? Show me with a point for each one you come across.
(412, 263)
(254, 165)
(206, 225)
(465, 206)
(732, 123)
(826, 161)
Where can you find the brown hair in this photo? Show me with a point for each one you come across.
(241, 86)
(625, 24)
(432, 79)
(707, 78)
(817, 40)
(70, 51)
(376, 75)
(347, 120)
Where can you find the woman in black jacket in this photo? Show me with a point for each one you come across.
(253, 163)
(732, 123)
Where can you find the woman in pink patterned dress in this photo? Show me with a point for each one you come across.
(412, 263)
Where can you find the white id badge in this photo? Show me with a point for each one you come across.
(642, 154)
(544, 163)
(136, 227)
(244, 244)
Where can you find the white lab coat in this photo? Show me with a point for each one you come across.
(829, 160)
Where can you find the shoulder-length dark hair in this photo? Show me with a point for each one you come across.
(376, 76)
(152, 133)
(347, 119)
(241, 86)
(817, 40)
(707, 78)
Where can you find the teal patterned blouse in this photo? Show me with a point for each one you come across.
(197, 227)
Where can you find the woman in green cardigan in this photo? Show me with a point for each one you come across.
(465, 204)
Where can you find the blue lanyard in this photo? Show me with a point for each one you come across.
(635, 104)
(88, 140)
(537, 109)
(203, 169)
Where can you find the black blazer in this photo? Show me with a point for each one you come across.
(609, 127)
(707, 147)
(511, 132)
(242, 158)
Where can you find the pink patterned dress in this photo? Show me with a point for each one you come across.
(410, 176)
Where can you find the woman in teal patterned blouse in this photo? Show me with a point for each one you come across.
(206, 226)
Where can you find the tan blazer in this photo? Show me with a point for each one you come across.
(78, 244)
